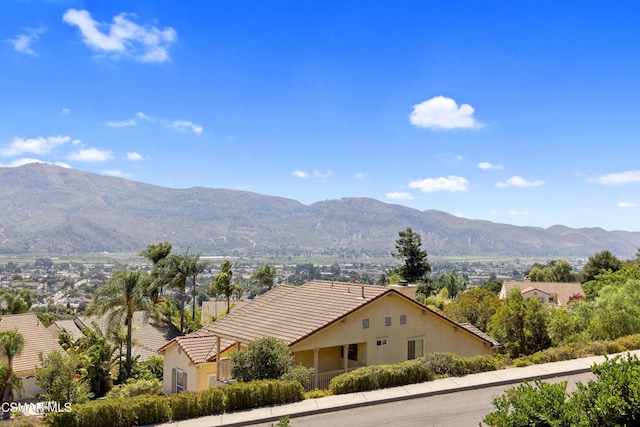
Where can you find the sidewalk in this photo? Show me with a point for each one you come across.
(430, 388)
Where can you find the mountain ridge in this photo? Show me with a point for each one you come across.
(50, 209)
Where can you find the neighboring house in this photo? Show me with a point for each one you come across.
(37, 340)
(213, 309)
(331, 327)
(554, 293)
(147, 334)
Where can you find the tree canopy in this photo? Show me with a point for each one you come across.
(554, 271)
(265, 358)
(520, 325)
(408, 249)
(476, 307)
(599, 263)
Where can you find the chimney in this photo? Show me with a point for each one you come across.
(362, 292)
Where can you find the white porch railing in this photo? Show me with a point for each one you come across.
(224, 367)
(321, 380)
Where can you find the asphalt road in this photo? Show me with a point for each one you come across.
(466, 408)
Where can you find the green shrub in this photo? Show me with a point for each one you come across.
(613, 399)
(114, 412)
(136, 388)
(481, 363)
(255, 394)
(540, 404)
(352, 382)
(553, 354)
(629, 342)
(212, 401)
(148, 410)
(185, 405)
(382, 376)
(299, 373)
(445, 364)
(316, 393)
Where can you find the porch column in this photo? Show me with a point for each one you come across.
(217, 358)
(316, 352)
(345, 359)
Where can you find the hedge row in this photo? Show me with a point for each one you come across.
(141, 410)
(414, 371)
(577, 350)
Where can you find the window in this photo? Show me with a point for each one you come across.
(387, 321)
(381, 342)
(212, 380)
(403, 319)
(365, 323)
(415, 348)
(181, 380)
(352, 352)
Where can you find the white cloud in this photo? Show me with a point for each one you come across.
(488, 166)
(514, 212)
(122, 124)
(186, 125)
(22, 42)
(300, 174)
(617, 178)
(449, 183)
(133, 156)
(25, 161)
(65, 112)
(626, 205)
(516, 181)
(460, 215)
(40, 145)
(91, 155)
(142, 115)
(443, 113)
(123, 37)
(398, 195)
(360, 176)
(322, 175)
(63, 165)
(115, 172)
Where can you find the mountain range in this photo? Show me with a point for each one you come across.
(47, 209)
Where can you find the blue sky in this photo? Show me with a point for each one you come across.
(515, 112)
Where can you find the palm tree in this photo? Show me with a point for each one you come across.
(120, 298)
(222, 284)
(174, 271)
(98, 359)
(12, 345)
(265, 276)
(155, 253)
(194, 268)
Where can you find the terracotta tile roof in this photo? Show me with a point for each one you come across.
(68, 325)
(563, 290)
(147, 335)
(291, 313)
(199, 349)
(36, 340)
(474, 330)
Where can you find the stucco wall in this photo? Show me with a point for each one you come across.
(438, 334)
(175, 358)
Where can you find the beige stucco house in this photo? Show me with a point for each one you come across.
(37, 340)
(554, 293)
(330, 327)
